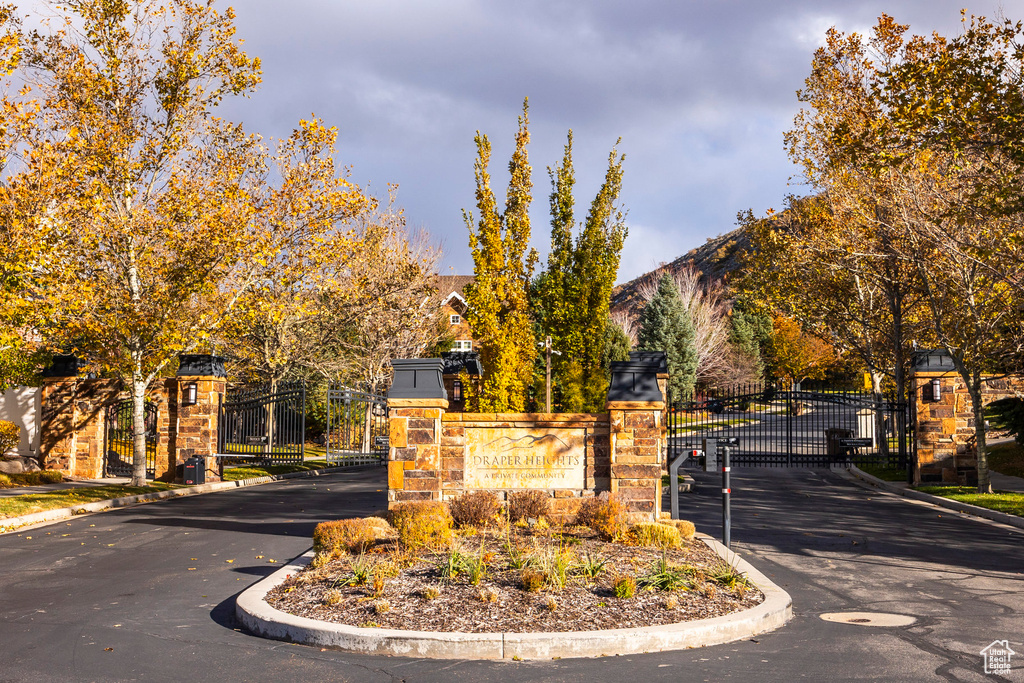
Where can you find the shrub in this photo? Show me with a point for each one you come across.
(51, 477)
(527, 504)
(550, 604)
(333, 597)
(381, 606)
(667, 577)
(474, 508)
(5, 482)
(422, 524)
(349, 535)
(605, 515)
(532, 579)
(624, 587)
(686, 529)
(10, 436)
(430, 592)
(652, 534)
(671, 602)
(488, 595)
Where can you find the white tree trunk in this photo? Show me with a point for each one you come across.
(138, 431)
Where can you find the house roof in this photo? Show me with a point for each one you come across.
(452, 284)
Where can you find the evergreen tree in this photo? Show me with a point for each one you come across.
(616, 347)
(665, 325)
(743, 337)
(575, 292)
(499, 310)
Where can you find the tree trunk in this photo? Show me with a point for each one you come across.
(138, 431)
(984, 481)
(367, 426)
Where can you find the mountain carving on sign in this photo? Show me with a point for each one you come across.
(530, 440)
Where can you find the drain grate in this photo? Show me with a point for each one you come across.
(869, 618)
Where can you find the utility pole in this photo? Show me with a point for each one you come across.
(546, 345)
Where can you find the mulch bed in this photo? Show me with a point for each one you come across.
(328, 593)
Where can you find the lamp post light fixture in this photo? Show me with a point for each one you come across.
(189, 394)
(457, 391)
(936, 389)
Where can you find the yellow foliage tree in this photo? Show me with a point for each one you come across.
(160, 217)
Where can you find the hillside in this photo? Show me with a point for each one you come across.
(716, 259)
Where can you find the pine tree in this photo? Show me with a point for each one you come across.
(616, 347)
(743, 337)
(665, 326)
(498, 299)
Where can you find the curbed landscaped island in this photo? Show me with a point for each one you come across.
(479, 566)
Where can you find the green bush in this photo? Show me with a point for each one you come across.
(624, 587)
(10, 436)
(474, 508)
(422, 524)
(5, 482)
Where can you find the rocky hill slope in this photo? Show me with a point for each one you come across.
(717, 259)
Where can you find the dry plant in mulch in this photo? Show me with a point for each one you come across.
(517, 579)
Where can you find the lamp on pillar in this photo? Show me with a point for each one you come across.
(936, 389)
(189, 394)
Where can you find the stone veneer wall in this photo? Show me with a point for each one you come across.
(623, 452)
(945, 428)
(73, 424)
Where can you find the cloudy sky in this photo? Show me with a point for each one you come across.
(700, 91)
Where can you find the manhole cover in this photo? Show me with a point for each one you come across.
(869, 618)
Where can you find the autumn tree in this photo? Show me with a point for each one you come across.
(498, 301)
(665, 325)
(796, 355)
(574, 294)
(160, 212)
(923, 154)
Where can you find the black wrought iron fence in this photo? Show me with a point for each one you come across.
(264, 423)
(119, 442)
(357, 427)
(785, 426)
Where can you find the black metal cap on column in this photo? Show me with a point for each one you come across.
(932, 360)
(634, 381)
(417, 378)
(660, 358)
(63, 366)
(201, 364)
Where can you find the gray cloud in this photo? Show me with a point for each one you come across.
(699, 90)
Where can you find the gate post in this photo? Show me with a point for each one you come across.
(416, 401)
(72, 424)
(635, 411)
(197, 424)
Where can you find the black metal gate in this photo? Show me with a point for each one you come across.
(357, 427)
(783, 426)
(119, 443)
(264, 424)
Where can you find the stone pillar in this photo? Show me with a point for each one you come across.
(73, 421)
(416, 402)
(635, 406)
(196, 434)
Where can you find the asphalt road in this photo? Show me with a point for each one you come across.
(148, 593)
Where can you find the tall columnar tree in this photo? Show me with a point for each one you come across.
(498, 300)
(665, 325)
(575, 292)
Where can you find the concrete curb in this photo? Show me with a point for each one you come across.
(12, 523)
(948, 503)
(259, 618)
